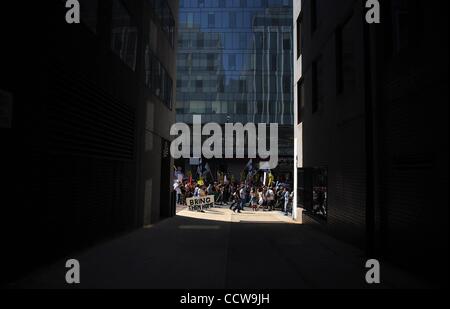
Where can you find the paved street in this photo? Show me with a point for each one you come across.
(220, 249)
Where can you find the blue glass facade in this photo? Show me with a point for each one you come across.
(235, 61)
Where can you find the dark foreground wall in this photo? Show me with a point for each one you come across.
(376, 119)
(72, 157)
(411, 137)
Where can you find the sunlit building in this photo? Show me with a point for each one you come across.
(235, 66)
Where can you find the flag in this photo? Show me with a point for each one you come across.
(271, 179)
(200, 169)
(249, 165)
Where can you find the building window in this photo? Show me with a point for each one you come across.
(199, 85)
(200, 40)
(259, 41)
(158, 79)
(210, 62)
(232, 62)
(211, 20)
(167, 99)
(168, 22)
(124, 35)
(299, 36)
(287, 84)
(148, 66)
(274, 41)
(220, 85)
(232, 17)
(300, 101)
(241, 109)
(313, 191)
(273, 62)
(242, 85)
(286, 41)
(242, 41)
(163, 12)
(190, 20)
(317, 78)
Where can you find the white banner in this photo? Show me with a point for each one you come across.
(200, 201)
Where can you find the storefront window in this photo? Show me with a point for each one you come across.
(312, 191)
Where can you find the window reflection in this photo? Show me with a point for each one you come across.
(242, 52)
(124, 35)
(163, 12)
(158, 79)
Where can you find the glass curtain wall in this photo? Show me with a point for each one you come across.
(235, 61)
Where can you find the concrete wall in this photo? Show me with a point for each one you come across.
(298, 128)
(383, 147)
(82, 159)
(412, 140)
(333, 136)
(157, 120)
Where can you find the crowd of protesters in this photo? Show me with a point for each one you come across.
(238, 195)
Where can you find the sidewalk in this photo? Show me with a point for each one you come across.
(222, 249)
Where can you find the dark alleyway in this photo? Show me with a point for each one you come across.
(219, 249)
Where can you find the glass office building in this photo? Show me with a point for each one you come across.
(235, 64)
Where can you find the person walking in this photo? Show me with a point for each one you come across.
(260, 198)
(241, 200)
(177, 188)
(202, 193)
(235, 199)
(196, 191)
(254, 199)
(270, 196)
(243, 195)
(286, 196)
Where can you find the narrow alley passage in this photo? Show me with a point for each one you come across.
(219, 249)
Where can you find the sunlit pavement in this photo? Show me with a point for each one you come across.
(222, 249)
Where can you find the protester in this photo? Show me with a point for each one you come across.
(177, 187)
(196, 191)
(270, 196)
(254, 199)
(286, 196)
(243, 195)
(236, 199)
(251, 191)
